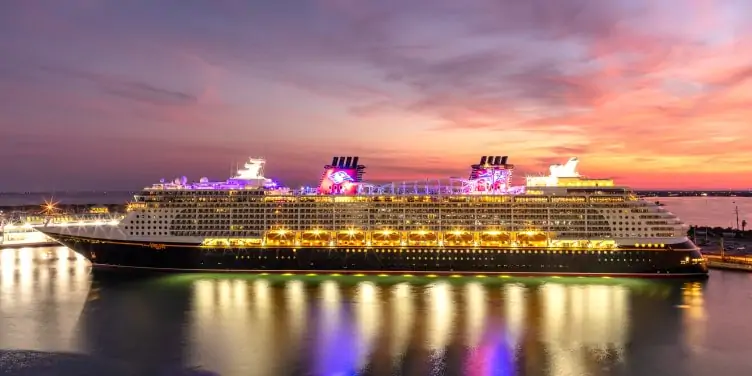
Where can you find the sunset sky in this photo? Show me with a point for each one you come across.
(114, 94)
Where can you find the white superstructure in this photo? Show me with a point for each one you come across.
(561, 209)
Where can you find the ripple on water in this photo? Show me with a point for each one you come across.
(22, 362)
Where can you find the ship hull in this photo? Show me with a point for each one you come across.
(177, 257)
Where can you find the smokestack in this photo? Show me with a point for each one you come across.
(483, 160)
(334, 161)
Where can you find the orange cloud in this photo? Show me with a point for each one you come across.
(417, 88)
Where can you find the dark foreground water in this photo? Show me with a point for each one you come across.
(334, 325)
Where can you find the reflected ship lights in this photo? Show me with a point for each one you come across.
(475, 319)
(402, 319)
(583, 321)
(693, 315)
(578, 325)
(488, 353)
(296, 305)
(514, 311)
(52, 275)
(367, 320)
(492, 358)
(336, 345)
(277, 325)
(440, 316)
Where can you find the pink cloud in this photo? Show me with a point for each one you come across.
(622, 84)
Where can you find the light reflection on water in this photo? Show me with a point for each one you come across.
(297, 325)
(56, 278)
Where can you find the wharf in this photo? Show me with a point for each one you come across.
(728, 253)
(741, 263)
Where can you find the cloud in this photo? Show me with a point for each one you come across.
(122, 87)
(622, 84)
(144, 92)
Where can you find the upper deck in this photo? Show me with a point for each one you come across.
(343, 178)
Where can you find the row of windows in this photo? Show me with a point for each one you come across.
(450, 259)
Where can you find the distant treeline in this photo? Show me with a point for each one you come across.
(694, 193)
(717, 232)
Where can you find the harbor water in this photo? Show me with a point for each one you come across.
(400, 325)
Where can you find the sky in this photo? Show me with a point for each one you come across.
(111, 94)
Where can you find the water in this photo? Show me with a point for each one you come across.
(328, 325)
(710, 211)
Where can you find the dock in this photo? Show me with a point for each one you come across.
(741, 263)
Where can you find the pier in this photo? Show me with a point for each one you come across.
(741, 263)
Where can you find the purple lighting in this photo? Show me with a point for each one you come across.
(348, 181)
(340, 177)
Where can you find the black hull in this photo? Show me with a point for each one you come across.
(115, 255)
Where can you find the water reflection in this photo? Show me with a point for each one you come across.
(34, 284)
(294, 325)
(403, 321)
(368, 318)
(694, 316)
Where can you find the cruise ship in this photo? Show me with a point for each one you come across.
(560, 224)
